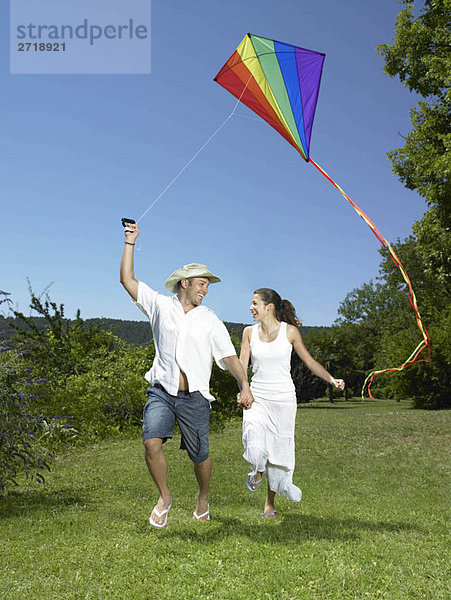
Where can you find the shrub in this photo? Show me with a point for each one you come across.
(224, 388)
(20, 426)
(108, 397)
(26, 431)
(60, 347)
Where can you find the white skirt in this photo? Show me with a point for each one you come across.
(268, 439)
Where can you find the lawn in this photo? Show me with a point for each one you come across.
(373, 521)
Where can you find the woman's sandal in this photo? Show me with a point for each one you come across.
(251, 482)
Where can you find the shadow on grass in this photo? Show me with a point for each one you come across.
(287, 529)
(17, 504)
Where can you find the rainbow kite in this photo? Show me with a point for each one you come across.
(280, 82)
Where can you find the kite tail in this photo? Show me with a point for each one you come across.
(425, 343)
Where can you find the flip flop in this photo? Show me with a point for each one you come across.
(159, 515)
(256, 483)
(273, 514)
(200, 517)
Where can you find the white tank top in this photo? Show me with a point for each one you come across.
(271, 362)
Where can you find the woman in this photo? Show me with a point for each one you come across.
(268, 425)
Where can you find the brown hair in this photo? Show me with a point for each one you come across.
(284, 310)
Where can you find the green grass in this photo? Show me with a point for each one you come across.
(373, 521)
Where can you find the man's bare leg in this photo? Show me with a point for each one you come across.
(158, 468)
(203, 471)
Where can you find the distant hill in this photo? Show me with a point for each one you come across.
(136, 333)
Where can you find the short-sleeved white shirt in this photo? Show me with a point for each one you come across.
(185, 342)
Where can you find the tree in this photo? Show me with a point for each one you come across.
(379, 329)
(428, 383)
(420, 55)
(434, 249)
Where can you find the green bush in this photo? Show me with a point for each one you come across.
(110, 396)
(224, 388)
(93, 376)
(61, 347)
(21, 427)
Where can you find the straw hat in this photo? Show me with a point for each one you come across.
(191, 270)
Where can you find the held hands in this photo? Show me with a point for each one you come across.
(245, 398)
(338, 383)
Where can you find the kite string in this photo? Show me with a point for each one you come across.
(425, 343)
(195, 155)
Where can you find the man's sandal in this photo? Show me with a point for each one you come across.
(163, 513)
(201, 517)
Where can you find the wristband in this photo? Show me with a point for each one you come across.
(130, 243)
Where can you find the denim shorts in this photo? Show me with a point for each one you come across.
(192, 412)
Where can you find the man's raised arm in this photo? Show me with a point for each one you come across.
(127, 269)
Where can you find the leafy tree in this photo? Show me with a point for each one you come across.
(379, 329)
(434, 249)
(366, 314)
(428, 383)
(420, 55)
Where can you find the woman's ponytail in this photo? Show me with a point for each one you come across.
(283, 309)
(288, 313)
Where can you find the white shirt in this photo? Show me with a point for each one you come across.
(185, 342)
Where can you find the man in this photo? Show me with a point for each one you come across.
(187, 337)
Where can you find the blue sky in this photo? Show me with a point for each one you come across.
(78, 152)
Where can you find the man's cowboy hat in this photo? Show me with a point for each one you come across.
(191, 270)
